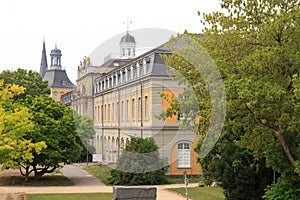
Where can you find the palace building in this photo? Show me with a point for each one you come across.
(123, 97)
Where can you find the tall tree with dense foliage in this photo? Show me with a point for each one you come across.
(54, 124)
(30, 80)
(139, 164)
(15, 122)
(242, 176)
(256, 47)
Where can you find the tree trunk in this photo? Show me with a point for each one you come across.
(38, 173)
(26, 174)
(285, 148)
(26, 178)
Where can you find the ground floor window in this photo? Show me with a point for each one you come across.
(183, 155)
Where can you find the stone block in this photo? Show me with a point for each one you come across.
(134, 193)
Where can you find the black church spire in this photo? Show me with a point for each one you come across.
(44, 64)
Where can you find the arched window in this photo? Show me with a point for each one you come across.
(146, 107)
(128, 74)
(104, 113)
(139, 108)
(127, 109)
(108, 113)
(122, 143)
(122, 110)
(55, 96)
(132, 109)
(183, 155)
(98, 114)
(113, 112)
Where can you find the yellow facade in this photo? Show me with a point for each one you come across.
(56, 93)
(193, 170)
(126, 102)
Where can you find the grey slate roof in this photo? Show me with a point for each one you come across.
(159, 68)
(58, 79)
(115, 62)
(127, 38)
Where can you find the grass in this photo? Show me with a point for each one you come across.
(102, 172)
(172, 180)
(201, 193)
(87, 196)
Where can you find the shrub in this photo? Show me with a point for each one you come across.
(139, 164)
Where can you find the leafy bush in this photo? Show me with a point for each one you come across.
(283, 190)
(241, 175)
(139, 164)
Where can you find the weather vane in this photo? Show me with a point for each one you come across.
(127, 24)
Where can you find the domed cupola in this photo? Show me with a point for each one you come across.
(127, 39)
(127, 46)
(55, 58)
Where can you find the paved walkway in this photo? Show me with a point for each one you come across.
(80, 177)
(86, 183)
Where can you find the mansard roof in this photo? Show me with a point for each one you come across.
(58, 79)
(151, 61)
(115, 62)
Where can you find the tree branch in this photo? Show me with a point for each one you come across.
(259, 122)
(285, 147)
(280, 136)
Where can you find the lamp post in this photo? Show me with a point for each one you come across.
(186, 181)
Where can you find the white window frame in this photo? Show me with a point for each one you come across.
(183, 155)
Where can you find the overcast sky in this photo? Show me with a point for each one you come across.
(80, 26)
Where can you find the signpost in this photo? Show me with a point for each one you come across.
(186, 181)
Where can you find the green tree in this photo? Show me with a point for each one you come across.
(139, 164)
(53, 124)
(255, 45)
(14, 124)
(242, 176)
(30, 80)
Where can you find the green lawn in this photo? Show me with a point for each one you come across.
(103, 173)
(88, 196)
(196, 193)
(201, 193)
(181, 180)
